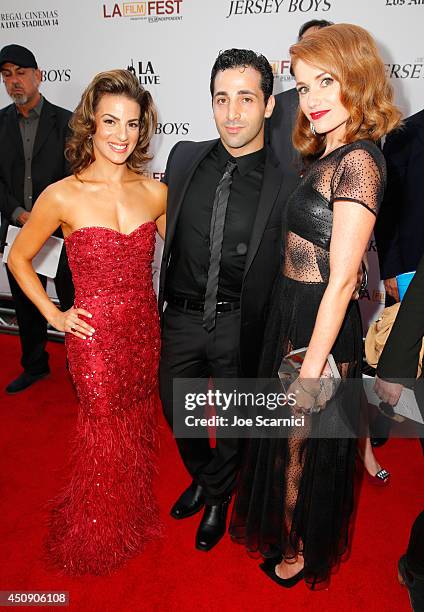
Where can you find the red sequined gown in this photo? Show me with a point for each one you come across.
(108, 510)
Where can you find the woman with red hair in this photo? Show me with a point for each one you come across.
(295, 494)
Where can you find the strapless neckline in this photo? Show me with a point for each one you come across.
(110, 229)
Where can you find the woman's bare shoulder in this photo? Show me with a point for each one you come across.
(63, 189)
(153, 186)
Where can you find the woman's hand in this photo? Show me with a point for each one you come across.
(70, 323)
(387, 391)
(313, 394)
(306, 392)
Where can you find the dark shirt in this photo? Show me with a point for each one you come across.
(28, 127)
(188, 268)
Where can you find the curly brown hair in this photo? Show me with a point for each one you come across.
(350, 55)
(79, 147)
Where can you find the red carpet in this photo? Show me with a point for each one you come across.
(171, 575)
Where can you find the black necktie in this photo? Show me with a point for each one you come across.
(216, 235)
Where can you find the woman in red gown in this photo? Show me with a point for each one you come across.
(109, 213)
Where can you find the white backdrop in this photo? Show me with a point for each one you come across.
(171, 45)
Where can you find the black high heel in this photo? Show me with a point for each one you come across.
(268, 567)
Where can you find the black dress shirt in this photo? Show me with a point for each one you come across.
(28, 127)
(188, 268)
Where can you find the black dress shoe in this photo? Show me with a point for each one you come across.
(212, 526)
(382, 424)
(190, 502)
(24, 381)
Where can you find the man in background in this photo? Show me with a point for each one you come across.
(32, 141)
(399, 230)
(279, 127)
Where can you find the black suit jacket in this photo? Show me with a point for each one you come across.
(400, 356)
(263, 259)
(48, 161)
(279, 129)
(399, 229)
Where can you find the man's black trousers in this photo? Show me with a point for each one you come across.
(189, 351)
(32, 325)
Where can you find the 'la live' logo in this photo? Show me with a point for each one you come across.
(144, 72)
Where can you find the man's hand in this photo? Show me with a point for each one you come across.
(391, 288)
(23, 217)
(387, 391)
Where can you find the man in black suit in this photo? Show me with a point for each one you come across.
(398, 363)
(401, 353)
(217, 287)
(32, 141)
(399, 230)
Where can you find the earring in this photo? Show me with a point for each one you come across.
(312, 128)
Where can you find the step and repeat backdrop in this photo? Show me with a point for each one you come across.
(170, 45)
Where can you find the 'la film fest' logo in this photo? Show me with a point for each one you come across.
(257, 7)
(144, 72)
(152, 10)
(281, 70)
(19, 20)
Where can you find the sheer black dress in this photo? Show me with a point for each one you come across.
(295, 495)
